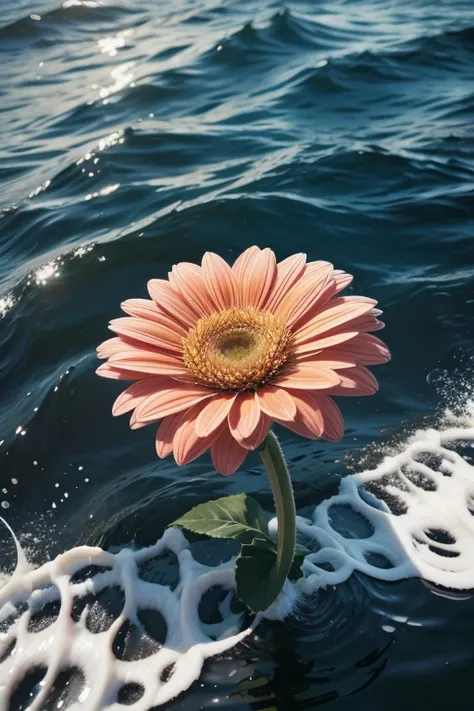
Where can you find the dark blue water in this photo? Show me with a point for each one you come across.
(137, 134)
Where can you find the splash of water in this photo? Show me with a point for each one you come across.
(412, 516)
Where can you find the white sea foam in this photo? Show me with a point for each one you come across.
(411, 516)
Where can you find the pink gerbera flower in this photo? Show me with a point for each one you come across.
(219, 352)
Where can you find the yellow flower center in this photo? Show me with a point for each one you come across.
(237, 349)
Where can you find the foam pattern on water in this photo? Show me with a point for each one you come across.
(411, 516)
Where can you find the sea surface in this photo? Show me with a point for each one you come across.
(138, 134)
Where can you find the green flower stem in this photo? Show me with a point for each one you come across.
(275, 464)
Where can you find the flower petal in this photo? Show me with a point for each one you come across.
(134, 423)
(242, 262)
(308, 421)
(244, 415)
(106, 371)
(144, 308)
(227, 454)
(316, 268)
(259, 433)
(305, 343)
(153, 363)
(187, 445)
(308, 376)
(364, 349)
(367, 322)
(214, 413)
(336, 335)
(328, 361)
(146, 331)
(333, 422)
(110, 347)
(317, 417)
(165, 433)
(220, 281)
(355, 382)
(121, 345)
(337, 312)
(305, 295)
(188, 279)
(136, 393)
(342, 279)
(169, 301)
(288, 272)
(308, 412)
(298, 427)
(276, 402)
(170, 400)
(258, 278)
(319, 344)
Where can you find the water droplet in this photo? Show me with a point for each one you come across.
(84, 694)
(5, 505)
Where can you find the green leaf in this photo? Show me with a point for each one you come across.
(256, 573)
(301, 550)
(239, 517)
(242, 518)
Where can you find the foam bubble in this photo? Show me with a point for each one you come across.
(412, 516)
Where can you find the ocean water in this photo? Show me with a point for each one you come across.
(135, 135)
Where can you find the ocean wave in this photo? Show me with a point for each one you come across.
(73, 16)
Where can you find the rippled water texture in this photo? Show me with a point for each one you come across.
(138, 134)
